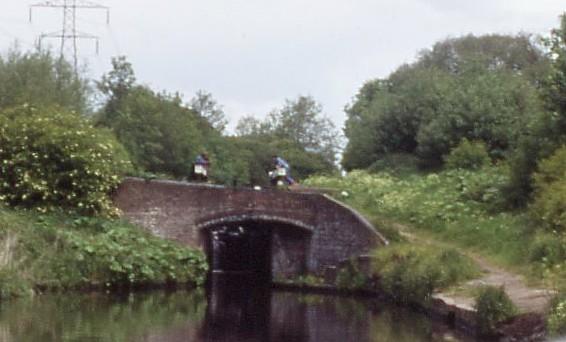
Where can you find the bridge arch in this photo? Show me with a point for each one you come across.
(268, 245)
(183, 212)
(265, 217)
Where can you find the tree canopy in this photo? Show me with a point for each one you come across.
(38, 78)
(479, 88)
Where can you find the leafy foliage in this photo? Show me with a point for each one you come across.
(302, 122)
(457, 205)
(299, 123)
(493, 306)
(118, 256)
(468, 155)
(61, 251)
(12, 285)
(547, 130)
(549, 206)
(556, 319)
(410, 273)
(351, 277)
(206, 106)
(40, 79)
(54, 158)
(160, 134)
(479, 88)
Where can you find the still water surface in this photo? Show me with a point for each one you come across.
(230, 311)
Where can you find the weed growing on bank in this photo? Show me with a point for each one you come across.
(493, 306)
(56, 251)
(411, 274)
(556, 319)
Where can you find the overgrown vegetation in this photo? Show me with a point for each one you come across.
(460, 206)
(350, 277)
(556, 319)
(492, 171)
(468, 155)
(411, 274)
(479, 88)
(493, 306)
(71, 252)
(53, 158)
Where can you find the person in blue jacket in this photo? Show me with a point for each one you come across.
(280, 162)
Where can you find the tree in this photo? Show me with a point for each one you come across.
(38, 78)
(251, 126)
(115, 86)
(158, 131)
(298, 132)
(547, 131)
(206, 106)
(479, 88)
(302, 121)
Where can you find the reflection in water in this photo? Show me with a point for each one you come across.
(235, 311)
(238, 309)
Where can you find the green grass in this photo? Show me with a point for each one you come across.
(59, 251)
(458, 207)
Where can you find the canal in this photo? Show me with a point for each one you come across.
(232, 309)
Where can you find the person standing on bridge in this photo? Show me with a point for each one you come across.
(279, 162)
(201, 167)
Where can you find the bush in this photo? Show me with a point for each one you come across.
(12, 285)
(350, 277)
(468, 155)
(549, 206)
(493, 306)
(548, 248)
(55, 158)
(61, 251)
(410, 274)
(556, 319)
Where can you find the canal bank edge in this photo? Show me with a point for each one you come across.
(523, 327)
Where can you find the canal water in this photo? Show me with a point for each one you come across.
(234, 311)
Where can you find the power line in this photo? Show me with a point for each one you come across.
(69, 35)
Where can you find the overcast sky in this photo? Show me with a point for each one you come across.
(253, 54)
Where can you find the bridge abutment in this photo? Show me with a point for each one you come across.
(308, 231)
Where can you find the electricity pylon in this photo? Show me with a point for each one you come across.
(69, 35)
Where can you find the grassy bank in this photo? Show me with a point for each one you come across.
(462, 208)
(56, 251)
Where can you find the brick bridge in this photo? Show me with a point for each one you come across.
(282, 232)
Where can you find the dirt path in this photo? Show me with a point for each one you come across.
(527, 299)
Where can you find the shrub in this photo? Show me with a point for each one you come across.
(350, 277)
(548, 248)
(71, 252)
(493, 306)
(468, 155)
(486, 187)
(55, 158)
(549, 206)
(410, 274)
(556, 319)
(12, 285)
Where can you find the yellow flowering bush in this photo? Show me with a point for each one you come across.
(55, 158)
